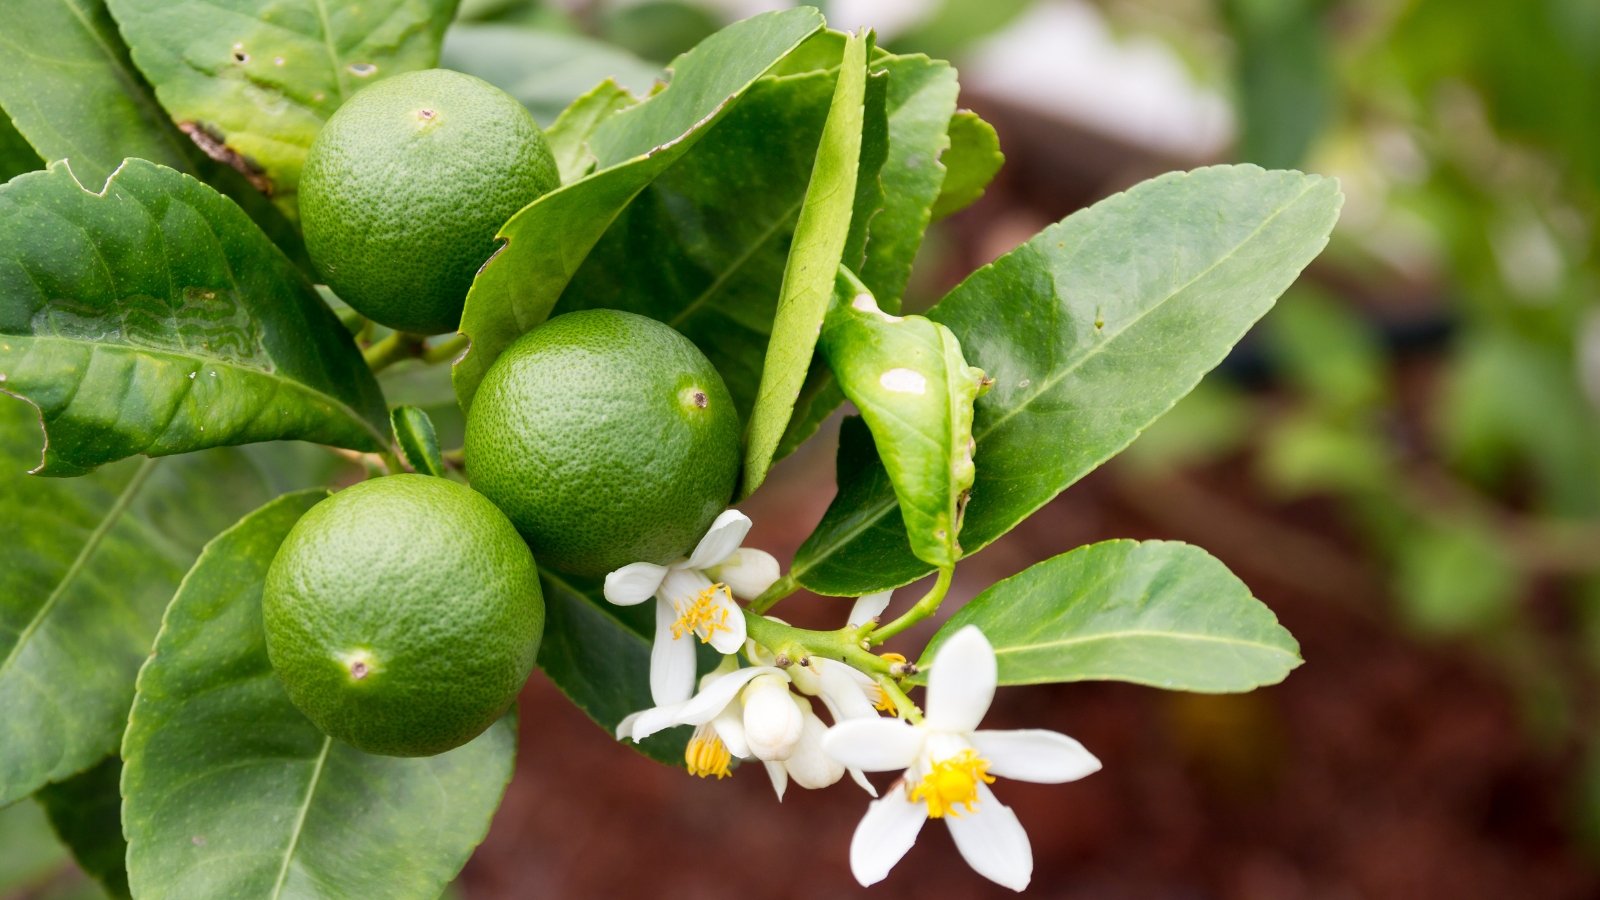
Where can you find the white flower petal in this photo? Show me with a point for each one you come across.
(876, 745)
(1033, 754)
(772, 722)
(654, 719)
(634, 583)
(748, 572)
(671, 660)
(681, 586)
(993, 842)
(886, 832)
(730, 727)
(625, 727)
(779, 776)
(860, 778)
(961, 682)
(842, 691)
(709, 703)
(731, 637)
(811, 767)
(722, 538)
(868, 608)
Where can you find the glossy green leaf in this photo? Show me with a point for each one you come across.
(915, 391)
(16, 156)
(156, 318)
(86, 567)
(86, 813)
(230, 792)
(1160, 613)
(815, 253)
(545, 70)
(971, 162)
(72, 92)
(252, 82)
(922, 97)
(1091, 330)
(599, 656)
(416, 440)
(569, 133)
(551, 238)
(1285, 75)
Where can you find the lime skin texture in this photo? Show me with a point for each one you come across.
(403, 615)
(405, 187)
(607, 437)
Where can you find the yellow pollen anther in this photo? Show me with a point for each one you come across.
(707, 755)
(703, 615)
(892, 658)
(952, 783)
(882, 702)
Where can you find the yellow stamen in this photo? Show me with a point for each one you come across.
(893, 658)
(707, 755)
(881, 701)
(703, 615)
(953, 782)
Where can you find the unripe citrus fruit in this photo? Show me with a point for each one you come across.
(403, 614)
(607, 437)
(405, 186)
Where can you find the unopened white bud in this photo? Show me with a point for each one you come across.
(772, 723)
(810, 766)
(748, 572)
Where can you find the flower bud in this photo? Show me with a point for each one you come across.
(772, 722)
(810, 766)
(748, 572)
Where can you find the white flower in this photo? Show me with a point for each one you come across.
(949, 766)
(688, 602)
(808, 764)
(726, 728)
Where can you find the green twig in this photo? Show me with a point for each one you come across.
(902, 703)
(799, 644)
(392, 349)
(445, 351)
(780, 589)
(927, 606)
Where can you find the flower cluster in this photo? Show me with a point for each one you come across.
(763, 711)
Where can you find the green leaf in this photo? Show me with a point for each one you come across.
(72, 92)
(814, 256)
(230, 792)
(1091, 330)
(972, 161)
(544, 70)
(86, 567)
(599, 656)
(915, 391)
(252, 82)
(86, 813)
(1159, 613)
(16, 156)
(29, 853)
(922, 97)
(418, 443)
(569, 134)
(156, 318)
(1286, 78)
(550, 238)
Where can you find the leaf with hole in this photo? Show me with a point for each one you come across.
(251, 82)
(230, 792)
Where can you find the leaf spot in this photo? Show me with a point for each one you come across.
(361, 70)
(904, 381)
(198, 840)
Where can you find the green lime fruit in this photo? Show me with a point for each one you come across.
(607, 437)
(403, 615)
(405, 187)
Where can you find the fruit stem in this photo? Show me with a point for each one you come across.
(927, 606)
(392, 349)
(445, 351)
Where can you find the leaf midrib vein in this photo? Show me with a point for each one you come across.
(1137, 633)
(300, 820)
(90, 546)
